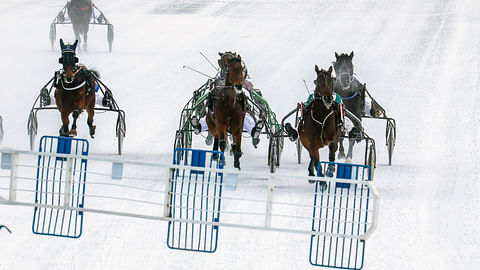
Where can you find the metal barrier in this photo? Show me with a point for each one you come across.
(341, 212)
(244, 200)
(195, 195)
(60, 182)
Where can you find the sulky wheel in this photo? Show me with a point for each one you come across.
(53, 35)
(271, 154)
(299, 150)
(390, 142)
(110, 37)
(32, 127)
(298, 142)
(372, 160)
(121, 130)
(277, 152)
(178, 144)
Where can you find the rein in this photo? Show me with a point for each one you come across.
(79, 8)
(75, 87)
(322, 124)
(350, 97)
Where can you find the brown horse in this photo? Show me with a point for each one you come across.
(75, 90)
(228, 109)
(318, 127)
(80, 12)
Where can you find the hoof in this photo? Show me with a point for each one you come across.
(341, 155)
(92, 131)
(330, 170)
(73, 133)
(63, 132)
(323, 185)
(348, 160)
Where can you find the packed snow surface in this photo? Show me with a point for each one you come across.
(419, 59)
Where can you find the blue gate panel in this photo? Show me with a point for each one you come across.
(195, 197)
(340, 212)
(60, 182)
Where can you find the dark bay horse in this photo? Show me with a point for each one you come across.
(80, 12)
(75, 91)
(318, 128)
(228, 109)
(351, 91)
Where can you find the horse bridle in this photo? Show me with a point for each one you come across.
(235, 59)
(344, 71)
(327, 100)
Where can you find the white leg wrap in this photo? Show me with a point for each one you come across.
(203, 123)
(248, 123)
(368, 105)
(347, 124)
(98, 98)
(52, 100)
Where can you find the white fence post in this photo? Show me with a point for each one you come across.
(13, 178)
(271, 189)
(168, 194)
(68, 183)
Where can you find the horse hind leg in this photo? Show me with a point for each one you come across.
(91, 126)
(341, 150)
(351, 143)
(85, 37)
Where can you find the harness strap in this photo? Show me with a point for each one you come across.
(73, 88)
(350, 97)
(322, 124)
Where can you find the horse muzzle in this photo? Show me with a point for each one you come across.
(238, 88)
(345, 80)
(327, 101)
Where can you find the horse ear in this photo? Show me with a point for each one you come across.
(336, 55)
(62, 45)
(74, 46)
(351, 55)
(317, 69)
(330, 69)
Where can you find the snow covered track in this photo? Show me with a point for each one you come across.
(419, 60)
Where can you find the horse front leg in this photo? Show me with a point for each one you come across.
(73, 131)
(332, 147)
(237, 149)
(91, 112)
(351, 143)
(341, 150)
(85, 37)
(76, 32)
(65, 122)
(314, 159)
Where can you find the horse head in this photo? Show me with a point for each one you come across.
(344, 69)
(324, 86)
(233, 67)
(68, 60)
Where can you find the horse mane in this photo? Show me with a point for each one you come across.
(343, 55)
